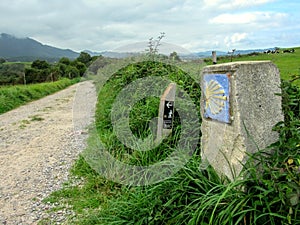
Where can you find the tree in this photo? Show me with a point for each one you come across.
(72, 72)
(55, 73)
(174, 56)
(65, 60)
(38, 73)
(85, 58)
(2, 60)
(40, 64)
(31, 75)
(11, 73)
(80, 66)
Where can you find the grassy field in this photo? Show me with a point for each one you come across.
(14, 96)
(27, 65)
(192, 195)
(287, 63)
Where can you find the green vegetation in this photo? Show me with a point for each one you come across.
(14, 96)
(193, 195)
(40, 71)
(288, 63)
(12, 73)
(23, 82)
(142, 112)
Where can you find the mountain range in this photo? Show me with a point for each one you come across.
(28, 49)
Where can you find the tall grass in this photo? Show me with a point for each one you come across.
(14, 96)
(142, 112)
(195, 196)
(267, 192)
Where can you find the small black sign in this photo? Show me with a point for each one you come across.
(168, 115)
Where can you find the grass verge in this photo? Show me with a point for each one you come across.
(12, 97)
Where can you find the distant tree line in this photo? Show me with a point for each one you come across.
(41, 71)
(12, 73)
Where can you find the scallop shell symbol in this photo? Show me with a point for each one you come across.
(214, 97)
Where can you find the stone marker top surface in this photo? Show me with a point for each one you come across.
(233, 65)
(238, 63)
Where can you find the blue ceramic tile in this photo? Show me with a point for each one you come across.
(216, 97)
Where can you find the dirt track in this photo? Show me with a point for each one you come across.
(38, 144)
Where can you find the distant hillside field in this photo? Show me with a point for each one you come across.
(288, 63)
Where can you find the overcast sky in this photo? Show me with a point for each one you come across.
(195, 25)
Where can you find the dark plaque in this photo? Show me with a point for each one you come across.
(168, 115)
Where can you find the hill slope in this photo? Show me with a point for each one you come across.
(27, 49)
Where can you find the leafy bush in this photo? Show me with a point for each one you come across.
(12, 73)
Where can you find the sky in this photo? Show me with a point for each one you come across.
(195, 25)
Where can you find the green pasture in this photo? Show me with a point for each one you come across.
(287, 63)
(26, 64)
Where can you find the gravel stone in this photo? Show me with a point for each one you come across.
(36, 155)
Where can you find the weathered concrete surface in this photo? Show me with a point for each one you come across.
(255, 109)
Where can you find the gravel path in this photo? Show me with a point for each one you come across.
(38, 144)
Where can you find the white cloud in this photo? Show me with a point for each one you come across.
(234, 18)
(235, 39)
(234, 4)
(271, 18)
(105, 25)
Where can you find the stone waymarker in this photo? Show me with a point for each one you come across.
(239, 107)
(166, 112)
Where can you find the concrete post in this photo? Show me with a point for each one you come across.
(214, 57)
(166, 112)
(239, 107)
